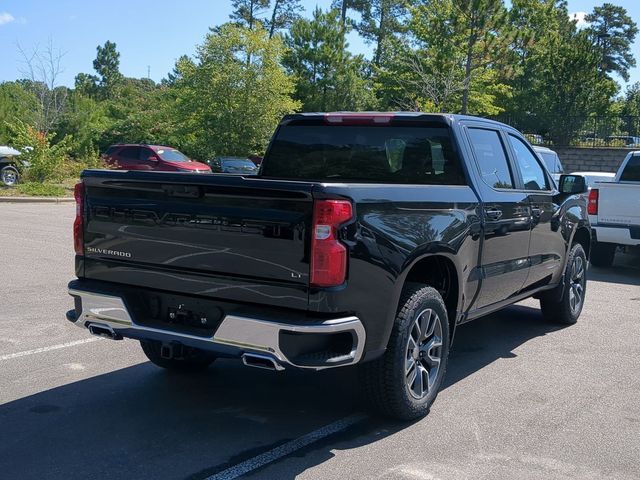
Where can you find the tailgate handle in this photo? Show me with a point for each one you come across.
(182, 191)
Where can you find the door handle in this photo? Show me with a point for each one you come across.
(493, 213)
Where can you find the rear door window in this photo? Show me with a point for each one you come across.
(492, 158)
(129, 154)
(631, 172)
(364, 153)
(533, 176)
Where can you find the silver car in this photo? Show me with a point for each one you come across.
(551, 160)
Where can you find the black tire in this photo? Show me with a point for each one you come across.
(385, 383)
(566, 309)
(191, 359)
(602, 254)
(9, 176)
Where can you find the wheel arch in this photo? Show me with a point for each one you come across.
(582, 235)
(440, 271)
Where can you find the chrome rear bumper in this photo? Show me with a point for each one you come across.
(241, 334)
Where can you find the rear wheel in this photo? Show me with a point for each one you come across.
(602, 254)
(568, 307)
(184, 359)
(9, 176)
(405, 381)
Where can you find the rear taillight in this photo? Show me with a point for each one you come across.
(78, 236)
(592, 205)
(328, 255)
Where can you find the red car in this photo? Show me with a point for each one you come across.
(151, 157)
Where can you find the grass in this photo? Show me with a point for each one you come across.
(34, 189)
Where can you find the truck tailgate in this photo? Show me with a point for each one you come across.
(227, 237)
(619, 204)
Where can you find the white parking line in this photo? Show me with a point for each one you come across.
(48, 349)
(287, 449)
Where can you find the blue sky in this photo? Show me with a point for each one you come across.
(149, 33)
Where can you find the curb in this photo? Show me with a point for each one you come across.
(37, 199)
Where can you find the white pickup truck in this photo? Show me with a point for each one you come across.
(614, 212)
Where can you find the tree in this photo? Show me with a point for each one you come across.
(107, 66)
(631, 102)
(248, 12)
(613, 31)
(380, 20)
(466, 41)
(16, 104)
(482, 24)
(328, 76)
(230, 100)
(85, 120)
(42, 69)
(344, 6)
(175, 75)
(284, 13)
(86, 84)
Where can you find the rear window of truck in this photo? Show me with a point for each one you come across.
(631, 172)
(364, 153)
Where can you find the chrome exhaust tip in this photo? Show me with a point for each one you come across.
(103, 331)
(261, 361)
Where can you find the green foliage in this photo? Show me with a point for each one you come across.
(40, 189)
(107, 66)
(16, 103)
(46, 159)
(283, 14)
(631, 103)
(85, 122)
(248, 13)
(328, 76)
(525, 59)
(380, 20)
(455, 62)
(232, 98)
(613, 31)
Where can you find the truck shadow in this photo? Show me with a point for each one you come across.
(146, 423)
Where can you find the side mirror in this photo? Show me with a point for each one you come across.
(153, 158)
(572, 184)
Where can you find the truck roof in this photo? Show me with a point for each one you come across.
(442, 117)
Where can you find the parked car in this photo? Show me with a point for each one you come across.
(11, 165)
(367, 238)
(151, 157)
(614, 212)
(239, 165)
(552, 162)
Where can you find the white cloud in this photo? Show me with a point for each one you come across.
(6, 17)
(579, 18)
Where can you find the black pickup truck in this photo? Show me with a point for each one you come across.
(364, 239)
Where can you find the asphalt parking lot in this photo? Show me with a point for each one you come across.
(523, 398)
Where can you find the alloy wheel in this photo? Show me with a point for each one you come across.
(424, 353)
(576, 284)
(9, 177)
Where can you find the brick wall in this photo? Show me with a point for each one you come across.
(591, 159)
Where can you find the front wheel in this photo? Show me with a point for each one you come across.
(9, 176)
(186, 360)
(405, 381)
(568, 307)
